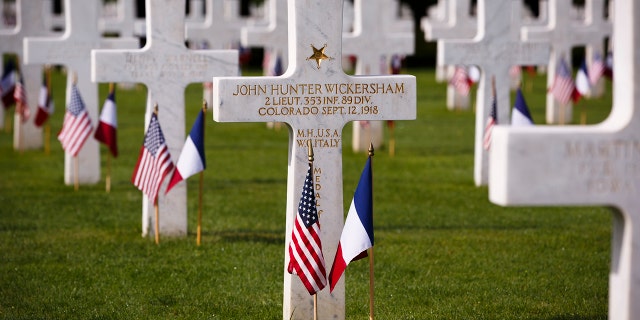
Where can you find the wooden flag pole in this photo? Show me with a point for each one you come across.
(157, 224)
(583, 114)
(76, 164)
(76, 171)
(199, 236)
(371, 310)
(47, 126)
(108, 177)
(392, 138)
(315, 306)
(155, 202)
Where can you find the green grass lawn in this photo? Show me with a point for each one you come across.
(443, 251)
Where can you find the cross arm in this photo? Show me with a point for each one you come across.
(561, 166)
(264, 99)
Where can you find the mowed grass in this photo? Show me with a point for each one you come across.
(443, 251)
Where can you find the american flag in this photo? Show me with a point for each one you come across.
(491, 121)
(597, 69)
(154, 162)
(22, 107)
(563, 88)
(460, 81)
(305, 249)
(76, 126)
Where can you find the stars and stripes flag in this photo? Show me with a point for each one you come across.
(521, 115)
(45, 106)
(583, 86)
(76, 126)
(563, 88)
(192, 158)
(154, 161)
(597, 69)
(357, 234)
(491, 122)
(305, 248)
(106, 132)
(20, 96)
(8, 84)
(461, 81)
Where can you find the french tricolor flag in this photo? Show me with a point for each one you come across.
(106, 132)
(357, 235)
(521, 115)
(191, 159)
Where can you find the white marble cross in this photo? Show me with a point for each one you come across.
(316, 99)
(587, 165)
(372, 42)
(459, 25)
(73, 49)
(564, 33)
(30, 23)
(166, 67)
(273, 37)
(495, 49)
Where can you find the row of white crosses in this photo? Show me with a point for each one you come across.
(563, 34)
(325, 101)
(30, 23)
(73, 50)
(373, 42)
(587, 165)
(457, 24)
(166, 67)
(495, 49)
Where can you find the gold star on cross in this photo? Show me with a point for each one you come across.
(318, 55)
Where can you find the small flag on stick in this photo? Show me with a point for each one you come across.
(492, 119)
(521, 115)
(154, 162)
(305, 248)
(45, 105)
(357, 234)
(76, 127)
(108, 125)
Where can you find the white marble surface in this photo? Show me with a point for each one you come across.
(166, 67)
(73, 50)
(495, 49)
(587, 165)
(317, 114)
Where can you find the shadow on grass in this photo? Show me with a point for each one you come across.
(261, 236)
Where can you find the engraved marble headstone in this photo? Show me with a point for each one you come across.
(587, 165)
(73, 50)
(29, 23)
(316, 99)
(564, 33)
(373, 43)
(166, 67)
(495, 49)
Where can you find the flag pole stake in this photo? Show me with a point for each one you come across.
(47, 126)
(76, 169)
(108, 178)
(315, 307)
(371, 287)
(583, 115)
(157, 221)
(199, 236)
